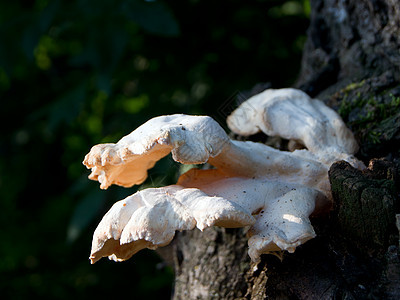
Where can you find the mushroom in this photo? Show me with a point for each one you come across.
(191, 140)
(274, 192)
(293, 115)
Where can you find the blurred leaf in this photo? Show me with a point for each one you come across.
(135, 105)
(292, 8)
(307, 7)
(39, 24)
(153, 16)
(104, 82)
(66, 108)
(85, 212)
(30, 38)
(4, 80)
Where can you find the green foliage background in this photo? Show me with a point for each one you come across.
(78, 73)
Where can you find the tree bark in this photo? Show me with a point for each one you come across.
(351, 61)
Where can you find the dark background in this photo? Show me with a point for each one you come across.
(77, 73)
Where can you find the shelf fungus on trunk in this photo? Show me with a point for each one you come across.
(273, 192)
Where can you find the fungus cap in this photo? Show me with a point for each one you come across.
(274, 192)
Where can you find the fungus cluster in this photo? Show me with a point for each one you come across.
(273, 192)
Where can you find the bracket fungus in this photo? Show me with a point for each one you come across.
(273, 192)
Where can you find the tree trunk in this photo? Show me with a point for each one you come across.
(351, 61)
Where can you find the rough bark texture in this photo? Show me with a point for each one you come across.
(352, 62)
(349, 41)
(213, 268)
(366, 203)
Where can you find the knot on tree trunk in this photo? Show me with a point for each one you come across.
(366, 203)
